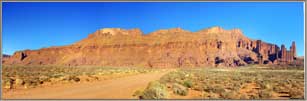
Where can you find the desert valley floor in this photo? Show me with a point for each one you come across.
(86, 82)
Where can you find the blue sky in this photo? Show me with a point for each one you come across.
(34, 25)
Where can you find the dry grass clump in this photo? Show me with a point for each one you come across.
(179, 89)
(155, 90)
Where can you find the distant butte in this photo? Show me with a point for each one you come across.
(175, 47)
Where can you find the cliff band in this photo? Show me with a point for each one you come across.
(164, 48)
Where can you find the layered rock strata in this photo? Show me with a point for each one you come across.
(164, 48)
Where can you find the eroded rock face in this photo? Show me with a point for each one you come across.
(5, 57)
(163, 48)
(270, 53)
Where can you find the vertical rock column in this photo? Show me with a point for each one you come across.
(277, 51)
(259, 46)
(283, 53)
(293, 49)
(259, 52)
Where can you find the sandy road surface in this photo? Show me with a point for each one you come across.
(119, 88)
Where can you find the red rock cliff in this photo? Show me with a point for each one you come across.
(164, 48)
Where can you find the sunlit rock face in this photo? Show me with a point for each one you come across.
(164, 48)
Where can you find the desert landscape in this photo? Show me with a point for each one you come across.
(116, 63)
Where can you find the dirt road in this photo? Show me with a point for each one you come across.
(119, 88)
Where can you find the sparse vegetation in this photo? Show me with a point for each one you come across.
(188, 83)
(155, 90)
(241, 83)
(210, 83)
(32, 76)
(179, 89)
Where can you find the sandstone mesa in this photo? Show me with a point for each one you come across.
(163, 48)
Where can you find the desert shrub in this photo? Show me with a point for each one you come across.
(214, 96)
(205, 95)
(19, 81)
(218, 89)
(236, 86)
(230, 95)
(57, 75)
(155, 90)
(265, 85)
(179, 89)
(74, 78)
(254, 96)
(8, 83)
(35, 81)
(214, 89)
(296, 93)
(295, 85)
(198, 87)
(172, 77)
(279, 88)
(266, 94)
(44, 78)
(244, 97)
(138, 93)
(31, 83)
(247, 81)
(188, 83)
(206, 87)
(70, 78)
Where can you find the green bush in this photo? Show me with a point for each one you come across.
(179, 89)
(138, 93)
(172, 77)
(155, 90)
(188, 83)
